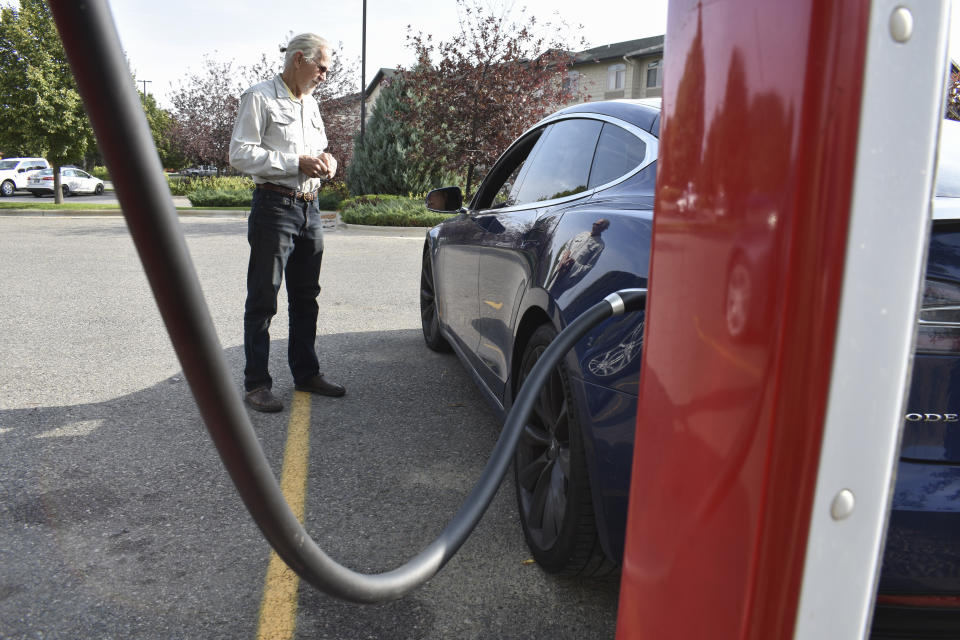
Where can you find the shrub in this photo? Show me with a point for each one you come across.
(221, 197)
(100, 172)
(183, 186)
(331, 196)
(236, 192)
(390, 211)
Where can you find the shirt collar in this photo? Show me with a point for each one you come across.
(282, 88)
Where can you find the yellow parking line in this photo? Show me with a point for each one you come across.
(278, 610)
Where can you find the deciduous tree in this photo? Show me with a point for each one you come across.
(204, 110)
(205, 107)
(161, 123)
(475, 93)
(43, 114)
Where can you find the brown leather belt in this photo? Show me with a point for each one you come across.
(306, 196)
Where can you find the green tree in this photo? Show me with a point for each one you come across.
(161, 124)
(43, 114)
(390, 158)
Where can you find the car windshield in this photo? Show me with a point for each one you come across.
(45, 172)
(6, 165)
(948, 168)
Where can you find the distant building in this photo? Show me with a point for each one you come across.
(372, 92)
(631, 69)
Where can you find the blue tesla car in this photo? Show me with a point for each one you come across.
(563, 218)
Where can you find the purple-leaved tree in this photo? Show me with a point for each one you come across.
(471, 95)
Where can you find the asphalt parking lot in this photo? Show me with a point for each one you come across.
(117, 519)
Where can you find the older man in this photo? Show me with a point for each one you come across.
(279, 139)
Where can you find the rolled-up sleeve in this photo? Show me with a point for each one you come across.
(247, 153)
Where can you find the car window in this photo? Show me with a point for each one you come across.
(562, 166)
(948, 164)
(499, 187)
(67, 172)
(618, 152)
(81, 174)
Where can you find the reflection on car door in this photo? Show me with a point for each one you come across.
(556, 170)
(455, 272)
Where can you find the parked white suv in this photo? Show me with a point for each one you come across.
(14, 173)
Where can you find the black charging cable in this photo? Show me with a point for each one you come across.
(99, 66)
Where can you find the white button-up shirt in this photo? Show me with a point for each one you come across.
(272, 131)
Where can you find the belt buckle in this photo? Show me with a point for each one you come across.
(307, 196)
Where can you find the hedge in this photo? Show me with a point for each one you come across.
(389, 211)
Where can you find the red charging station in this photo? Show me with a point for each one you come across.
(793, 207)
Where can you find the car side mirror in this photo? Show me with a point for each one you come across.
(445, 200)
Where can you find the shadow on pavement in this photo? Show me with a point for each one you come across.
(118, 519)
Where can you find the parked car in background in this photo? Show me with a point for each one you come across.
(14, 173)
(564, 218)
(200, 170)
(72, 181)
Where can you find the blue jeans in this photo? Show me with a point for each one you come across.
(286, 239)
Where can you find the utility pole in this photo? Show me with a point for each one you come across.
(145, 86)
(363, 75)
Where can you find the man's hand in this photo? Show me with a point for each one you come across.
(331, 163)
(322, 166)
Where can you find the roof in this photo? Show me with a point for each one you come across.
(642, 46)
(381, 75)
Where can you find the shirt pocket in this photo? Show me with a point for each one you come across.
(317, 135)
(282, 129)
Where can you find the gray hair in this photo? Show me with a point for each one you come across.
(309, 44)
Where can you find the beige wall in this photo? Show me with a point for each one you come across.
(594, 79)
(372, 99)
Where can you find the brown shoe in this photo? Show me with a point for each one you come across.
(262, 399)
(317, 384)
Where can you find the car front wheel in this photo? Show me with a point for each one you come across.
(98, 190)
(7, 188)
(429, 316)
(550, 469)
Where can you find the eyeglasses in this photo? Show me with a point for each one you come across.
(321, 68)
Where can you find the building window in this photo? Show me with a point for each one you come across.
(653, 74)
(617, 76)
(571, 83)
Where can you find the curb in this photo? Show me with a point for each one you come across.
(209, 213)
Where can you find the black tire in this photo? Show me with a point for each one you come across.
(429, 316)
(550, 473)
(98, 190)
(65, 190)
(7, 188)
